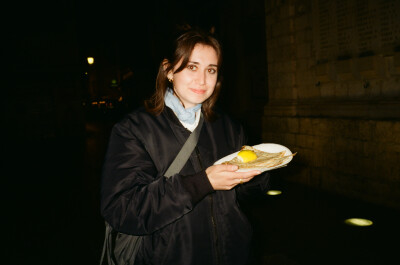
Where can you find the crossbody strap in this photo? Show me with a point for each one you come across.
(186, 150)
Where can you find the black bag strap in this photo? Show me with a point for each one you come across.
(186, 150)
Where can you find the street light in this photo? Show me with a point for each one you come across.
(90, 60)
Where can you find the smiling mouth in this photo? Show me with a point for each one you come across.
(198, 91)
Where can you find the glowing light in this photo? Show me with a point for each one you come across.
(90, 60)
(358, 222)
(274, 192)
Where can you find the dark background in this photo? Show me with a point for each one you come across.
(54, 140)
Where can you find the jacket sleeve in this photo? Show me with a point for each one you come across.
(134, 198)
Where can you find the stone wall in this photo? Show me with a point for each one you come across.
(334, 94)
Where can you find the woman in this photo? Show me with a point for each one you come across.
(192, 217)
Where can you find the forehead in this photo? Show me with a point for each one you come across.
(204, 53)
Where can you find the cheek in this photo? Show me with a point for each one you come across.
(213, 81)
(211, 89)
(182, 79)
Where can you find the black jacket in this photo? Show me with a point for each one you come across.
(183, 220)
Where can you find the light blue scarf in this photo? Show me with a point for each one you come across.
(184, 115)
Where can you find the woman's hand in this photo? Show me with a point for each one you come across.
(224, 177)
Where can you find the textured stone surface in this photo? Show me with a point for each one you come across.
(341, 114)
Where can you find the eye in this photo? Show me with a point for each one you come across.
(212, 71)
(192, 67)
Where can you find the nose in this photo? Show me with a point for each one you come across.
(201, 78)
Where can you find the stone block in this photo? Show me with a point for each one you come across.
(341, 90)
(302, 140)
(327, 90)
(269, 137)
(391, 87)
(365, 129)
(301, 23)
(384, 131)
(369, 67)
(286, 79)
(285, 40)
(396, 166)
(289, 139)
(286, 11)
(344, 70)
(322, 72)
(340, 145)
(356, 89)
(303, 36)
(269, 124)
(284, 27)
(367, 169)
(305, 126)
(323, 127)
(283, 93)
(384, 171)
(305, 78)
(303, 50)
(373, 88)
(293, 125)
(286, 67)
(371, 149)
(303, 64)
(396, 150)
(396, 132)
(308, 92)
(397, 62)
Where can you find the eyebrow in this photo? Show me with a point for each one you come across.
(214, 65)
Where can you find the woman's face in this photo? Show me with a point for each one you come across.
(196, 82)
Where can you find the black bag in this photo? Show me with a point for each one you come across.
(121, 248)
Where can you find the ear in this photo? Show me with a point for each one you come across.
(170, 75)
(165, 64)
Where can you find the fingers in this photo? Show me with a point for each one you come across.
(225, 177)
(244, 177)
(248, 173)
(231, 168)
(221, 169)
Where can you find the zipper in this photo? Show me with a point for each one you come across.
(198, 158)
(214, 225)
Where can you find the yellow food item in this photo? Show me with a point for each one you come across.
(261, 159)
(246, 156)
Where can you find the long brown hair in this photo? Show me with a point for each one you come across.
(183, 47)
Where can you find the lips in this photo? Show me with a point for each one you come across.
(198, 91)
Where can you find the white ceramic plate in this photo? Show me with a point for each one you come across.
(270, 148)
